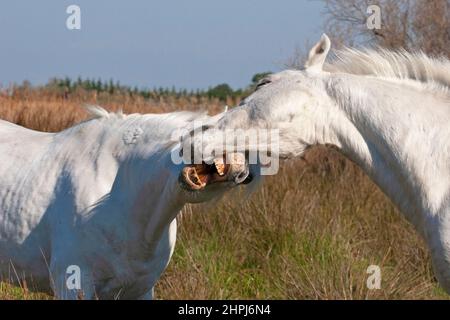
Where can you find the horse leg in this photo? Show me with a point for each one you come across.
(439, 244)
(71, 282)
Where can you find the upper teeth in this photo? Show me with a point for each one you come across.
(220, 166)
(236, 159)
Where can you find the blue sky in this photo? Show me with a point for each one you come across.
(187, 44)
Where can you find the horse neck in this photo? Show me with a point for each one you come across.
(140, 196)
(378, 125)
(89, 141)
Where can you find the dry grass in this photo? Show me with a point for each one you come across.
(308, 233)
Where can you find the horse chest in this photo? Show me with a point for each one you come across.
(135, 277)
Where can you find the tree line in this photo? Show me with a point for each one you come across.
(67, 86)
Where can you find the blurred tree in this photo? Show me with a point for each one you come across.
(221, 91)
(412, 25)
(111, 88)
(99, 85)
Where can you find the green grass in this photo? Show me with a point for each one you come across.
(310, 232)
(9, 292)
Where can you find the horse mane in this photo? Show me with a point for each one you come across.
(97, 112)
(432, 72)
(162, 125)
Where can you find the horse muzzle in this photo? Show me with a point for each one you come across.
(231, 167)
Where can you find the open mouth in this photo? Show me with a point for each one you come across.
(197, 176)
(232, 167)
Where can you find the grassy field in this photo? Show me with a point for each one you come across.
(309, 232)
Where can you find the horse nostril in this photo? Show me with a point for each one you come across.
(241, 177)
(248, 179)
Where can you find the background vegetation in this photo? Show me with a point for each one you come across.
(309, 232)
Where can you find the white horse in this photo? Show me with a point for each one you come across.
(99, 198)
(387, 111)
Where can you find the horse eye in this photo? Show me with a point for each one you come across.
(263, 82)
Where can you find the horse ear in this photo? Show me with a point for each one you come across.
(318, 54)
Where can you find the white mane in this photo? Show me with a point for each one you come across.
(158, 124)
(431, 73)
(98, 112)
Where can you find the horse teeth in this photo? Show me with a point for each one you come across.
(237, 159)
(220, 167)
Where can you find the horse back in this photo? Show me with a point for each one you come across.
(19, 147)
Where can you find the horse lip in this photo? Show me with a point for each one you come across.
(239, 169)
(191, 178)
(220, 166)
